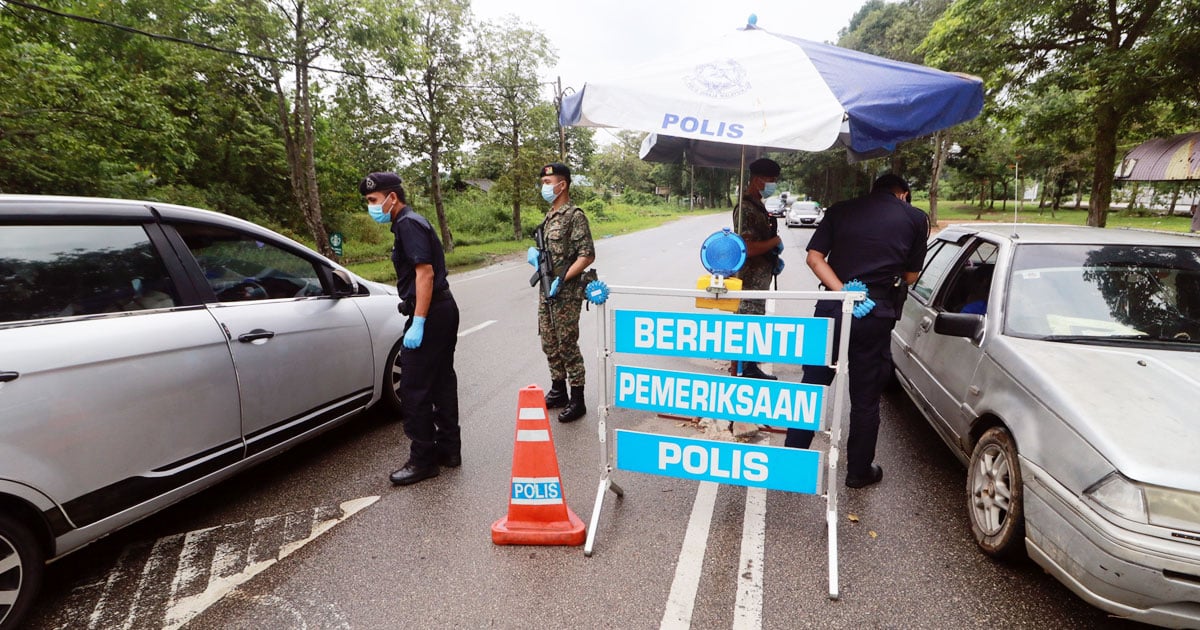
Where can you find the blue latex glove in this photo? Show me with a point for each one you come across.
(416, 332)
(778, 248)
(862, 307)
(532, 256)
(554, 287)
(779, 265)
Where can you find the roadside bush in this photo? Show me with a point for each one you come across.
(594, 209)
(638, 198)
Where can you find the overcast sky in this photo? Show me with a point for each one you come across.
(598, 38)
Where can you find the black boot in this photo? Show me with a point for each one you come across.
(576, 408)
(750, 369)
(557, 396)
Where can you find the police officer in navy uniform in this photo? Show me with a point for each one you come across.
(878, 239)
(428, 384)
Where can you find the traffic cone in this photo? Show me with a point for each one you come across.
(537, 511)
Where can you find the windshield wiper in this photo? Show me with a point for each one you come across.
(1101, 339)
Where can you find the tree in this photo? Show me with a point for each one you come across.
(290, 36)
(429, 98)
(1102, 50)
(509, 54)
(616, 166)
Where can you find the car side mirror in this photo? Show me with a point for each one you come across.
(969, 325)
(344, 284)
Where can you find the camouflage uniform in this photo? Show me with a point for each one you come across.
(755, 225)
(567, 236)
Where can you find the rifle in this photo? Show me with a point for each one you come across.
(544, 274)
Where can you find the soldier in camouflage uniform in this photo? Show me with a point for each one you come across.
(568, 238)
(760, 231)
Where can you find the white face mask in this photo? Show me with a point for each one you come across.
(548, 193)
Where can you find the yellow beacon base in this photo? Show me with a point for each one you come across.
(718, 286)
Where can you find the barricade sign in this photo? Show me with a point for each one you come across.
(770, 467)
(760, 338)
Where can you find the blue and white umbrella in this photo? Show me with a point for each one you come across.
(756, 88)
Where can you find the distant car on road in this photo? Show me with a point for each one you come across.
(149, 351)
(777, 205)
(805, 214)
(1062, 365)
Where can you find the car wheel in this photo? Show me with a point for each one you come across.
(994, 495)
(21, 567)
(391, 379)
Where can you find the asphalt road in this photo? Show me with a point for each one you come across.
(318, 538)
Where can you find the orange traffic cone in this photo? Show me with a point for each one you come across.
(537, 511)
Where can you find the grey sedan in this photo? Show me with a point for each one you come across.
(1062, 366)
(148, 351)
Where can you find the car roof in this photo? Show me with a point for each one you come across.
(1040, 233)
(63, 208)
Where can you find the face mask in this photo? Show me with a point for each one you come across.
(378, 214)
(548, 193)
(769, 189)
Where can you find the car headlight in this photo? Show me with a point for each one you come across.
(1153, 505)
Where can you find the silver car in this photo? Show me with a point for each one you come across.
(148, 351)
(1062, 365)
(804, 214)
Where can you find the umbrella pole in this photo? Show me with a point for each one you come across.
(741, 189)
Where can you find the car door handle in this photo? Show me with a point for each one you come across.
(8, 376)
(255, 335)
(926, 324)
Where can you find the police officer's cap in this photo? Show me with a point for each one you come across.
(764, 167)
(379, 182)
(556, 168)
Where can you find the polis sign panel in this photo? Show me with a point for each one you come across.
(770, 467)
(805, 340)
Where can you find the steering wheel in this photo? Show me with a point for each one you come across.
(247, 289)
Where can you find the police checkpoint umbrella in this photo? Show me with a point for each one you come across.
(768, 91)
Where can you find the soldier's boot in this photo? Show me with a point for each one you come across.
(750, 369)
(557, 396)
(576, 408)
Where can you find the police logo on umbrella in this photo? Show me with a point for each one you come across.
(725, 78)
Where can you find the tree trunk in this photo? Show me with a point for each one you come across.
(302, 173)
(516, 176)
(435, 164)
(941, 148)
(1108, 121)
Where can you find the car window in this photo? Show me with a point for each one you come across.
(65, 270)
(971, 280)
(1126, 293)
(938, 260)
(239, 267)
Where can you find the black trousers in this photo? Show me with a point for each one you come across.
(429, 387)
(870, 368)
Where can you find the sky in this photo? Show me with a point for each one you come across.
(598, 38)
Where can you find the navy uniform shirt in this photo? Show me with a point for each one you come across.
(873, 238)
(416, 244)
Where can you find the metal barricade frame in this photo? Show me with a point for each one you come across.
(836, 423)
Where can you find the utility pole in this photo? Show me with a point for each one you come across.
(562, 135)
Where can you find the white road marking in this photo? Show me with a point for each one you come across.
(747, 612)
(684, 587)
(178, 577)
(478, 328)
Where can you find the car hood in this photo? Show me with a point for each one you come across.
(1136, 406)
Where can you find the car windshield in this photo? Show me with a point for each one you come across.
(1105, 294)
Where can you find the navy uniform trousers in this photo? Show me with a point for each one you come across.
(429, 387)
(870, 369)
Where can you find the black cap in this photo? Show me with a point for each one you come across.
(765, 167)
(556, 168)
(379, 182)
